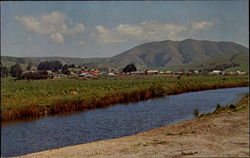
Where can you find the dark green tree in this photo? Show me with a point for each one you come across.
(16, 71)
(4, 71)
(29, 66)
(129, 68)
(52, 65)
(65, 69)
(72, 66)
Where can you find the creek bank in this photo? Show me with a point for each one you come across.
(35, 112)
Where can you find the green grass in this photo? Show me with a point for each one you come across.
(92, 93)
(241, 106)
(243, 61)
(240, 59)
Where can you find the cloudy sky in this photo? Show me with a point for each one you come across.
(103, 29)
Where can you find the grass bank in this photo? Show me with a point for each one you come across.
(24, 99)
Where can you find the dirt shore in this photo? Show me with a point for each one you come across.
(225, 133)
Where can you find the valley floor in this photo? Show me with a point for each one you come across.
(224, 133)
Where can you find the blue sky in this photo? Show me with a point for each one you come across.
(103, 29)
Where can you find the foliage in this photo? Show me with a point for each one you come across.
(129, 68)
(29, 66)
(4, 71)
(72, 66)
(50, 65)
(41, 74)
(66, 94)
(196, 112)
(16, 71)
(65, 69)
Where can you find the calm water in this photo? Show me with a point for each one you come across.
(112, 122)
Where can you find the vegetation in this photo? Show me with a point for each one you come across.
(50, 65)
(16, 71)
(29, 66)
(238, 107)
(4, 71)
(196, 112)
(23, 99)
(233, 62)
(129, 68)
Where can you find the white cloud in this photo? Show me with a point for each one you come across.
(57, 25)
(52, 24)
(57, 38)
(29, 39)
(107, 35)
(146, 31)
(149, 31)
(81, 42)
(202, 25)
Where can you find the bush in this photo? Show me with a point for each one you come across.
(196, 112)
(232, 106)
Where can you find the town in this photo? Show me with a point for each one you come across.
(54, 69)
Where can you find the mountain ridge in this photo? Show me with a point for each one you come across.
(164, 54)
(167, 53)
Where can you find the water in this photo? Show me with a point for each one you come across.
(112, 122)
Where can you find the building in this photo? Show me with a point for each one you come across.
(89, 74)
(111, 74)
(137, 73)
(218, 72)
(169, 72)
(152, 72)
(241, 72)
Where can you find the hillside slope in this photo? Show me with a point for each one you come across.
(167, 53)
(24, 61)
(186, 54)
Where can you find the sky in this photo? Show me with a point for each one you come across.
(106, 28)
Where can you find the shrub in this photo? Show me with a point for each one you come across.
(196, 112)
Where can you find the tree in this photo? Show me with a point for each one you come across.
(44, 66)
(4, 71)
(52, 65)
(65, 69)
(29, 66)
(72, 66)
(129, 68)
(16, 71)
(56, 65)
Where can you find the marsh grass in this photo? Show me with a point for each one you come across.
(238, 107)
(196, 112)
(34, 98)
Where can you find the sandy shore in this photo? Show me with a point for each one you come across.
(224, 134)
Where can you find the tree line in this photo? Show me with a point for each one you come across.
(17, 71)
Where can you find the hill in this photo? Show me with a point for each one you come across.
(169, 53)
(165, 55)
(24, 61)
(232, 62)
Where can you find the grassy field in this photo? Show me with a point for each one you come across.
(27, 99)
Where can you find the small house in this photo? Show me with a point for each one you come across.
(152, 72)
(111, 74)
(137, 73)
(218, 72)
(241, 72)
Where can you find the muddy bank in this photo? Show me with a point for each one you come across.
(34, 112)
(223, 133)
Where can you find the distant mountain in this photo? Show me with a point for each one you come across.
(24, 61)
(168, 53)
(186, 54)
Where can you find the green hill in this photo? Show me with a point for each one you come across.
(164, 55)
(169, 53)
(228, 63)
